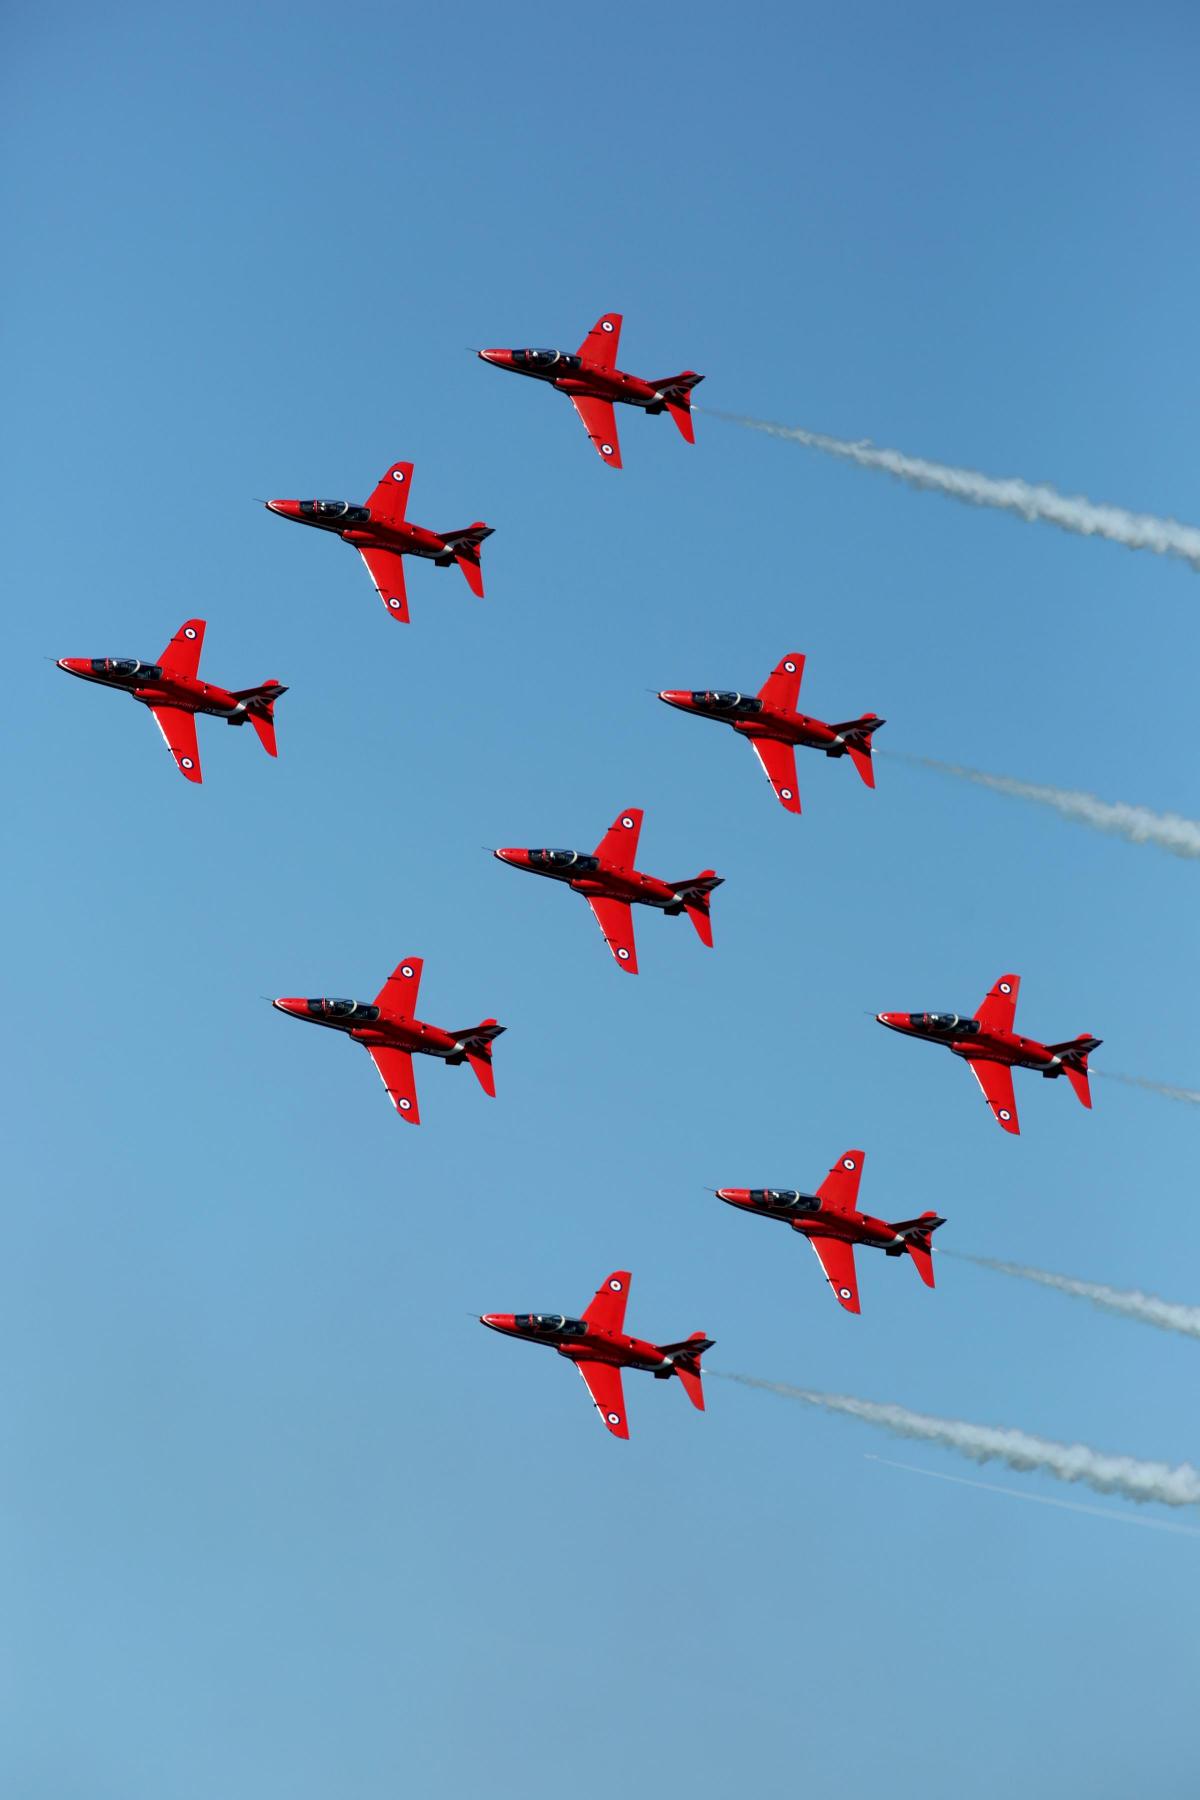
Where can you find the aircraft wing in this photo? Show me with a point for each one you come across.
(389, 500)
(997, 1083)
(779, 763)
(615, 919)
(396, 1073)
(999, 1009)
(398, 995)
(836, 1257)
(600, 344)
(386, 569)
(839, 1190)
(182, 654)
(606, 1309)
(619, 844)
(600, 423)
(179, 734)
(782, 686)
(608, 1396)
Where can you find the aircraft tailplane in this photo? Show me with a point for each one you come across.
(686, 1365)
(477, 1050)
(676, 391)
(260, 710)
(1075, 1064)
(917, 1235)
(694, 898)
(464, 548)
(856, 736)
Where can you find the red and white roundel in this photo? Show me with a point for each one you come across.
(790, 667)
(185, 762)
(616, 1286)
(1004, 1114)
(785, 793)
(407, 971)
(613, 1418)
(395, 605)
(606, 325)
(623, 954)
(607, 449)
(404, 1105)
(627, 822)
(1006, 987)
(848, 1162)
(190, 632)
(397, 474)
(845, 1293)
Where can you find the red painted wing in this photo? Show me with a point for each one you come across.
(615, 919)
(839, 1190)
(600, 423)
(389, 502)
(779, 761)
(782, 686)
(606, 1309)
(386, 569)
(600, 344)
(1000, 1008)
(398, 995)
(396, 1073)
(604, 1385)
(836, 1257)
(997, 1083)
(179, 734)
(619, 844)
(182, 654)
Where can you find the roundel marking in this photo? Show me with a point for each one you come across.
(607, 449)
(790, 667)
(404, 1105)
(397, 474)
(185, 762)
(606, 324)
(848, 1162)
(627, 822)
(1005, 1114)
(845, 1294)
(406, 971)
(395, 605)
(616, 1285)
(1006, 987)
(190, 632)
(613, 1418)
(785, 793)
(623, 954)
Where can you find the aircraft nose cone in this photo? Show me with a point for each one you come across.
(287, 509)
(295, 1007)
(896, 1020)
(497, 357)
(74, 665)
(497, 1321)
(734, 1196)
(509, 856)
(675, 696)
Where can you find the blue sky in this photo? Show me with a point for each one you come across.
(279, 1518)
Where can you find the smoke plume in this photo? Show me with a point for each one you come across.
(994, 1487)
(1124, 1475)
(1168, 1315)
(1188, 1095)
(1137, 531)
(1136, 824)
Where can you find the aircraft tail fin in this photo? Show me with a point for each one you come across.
(260, 710)
(1075, 1064)
(694, 898)
(856, 742)
(685, 1362)
(475, 1047)
(463, 548)
(676, 392)
(917, 1234)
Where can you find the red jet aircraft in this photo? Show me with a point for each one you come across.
(592, 382)
(174, 694)
(382, 538)
(598, 1347)
(829, 1219)
(611, 885)
(391, 1036)
(773, 727)
(993, 1050)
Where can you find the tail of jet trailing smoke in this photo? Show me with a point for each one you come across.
(464, 550)
(1074, 1064)
(260, 710)
(684, 1360)
(475, 1047)
(693, 898)
(676, 397)
(917, 1234)
(856, 743)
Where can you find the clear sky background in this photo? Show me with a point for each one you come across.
(280, 1520)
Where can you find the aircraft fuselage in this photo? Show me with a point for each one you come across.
(581, 1342)
(572, 374)
(751, 717)
(805, 1213)
(587, 874)
(355, 526)
(368, 1024)
(969, 1039)
(147, 683)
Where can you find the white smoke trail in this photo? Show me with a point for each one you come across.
(1125, 1475)
(1137, 824)
(1168, 1315)
(1137, 531)
(1189, 1095)
(1076, 1506)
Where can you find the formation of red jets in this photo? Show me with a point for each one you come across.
(607, 878)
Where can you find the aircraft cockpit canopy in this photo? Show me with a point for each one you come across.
(574, 860)
(339, 511)
(348, 1012)
(945, 1024)
(553, 1323)
(125, 667)
(545, 359)
(788, 1197)
(724, 702)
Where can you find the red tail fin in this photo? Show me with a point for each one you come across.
(476, 1049)
(260, 710)
(1078, 1079)
(696, 896)
(676, 391)
(464, 547)
(688, 1367)
(1075, 1064)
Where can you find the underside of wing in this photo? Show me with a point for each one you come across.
(600, 423)
(606, 1309)
(603, 1382)
(999, 1009)
(782, 686)
(396, 1073)
(836, 1257)
(389, 501)
(839, 1190)
(600, 344)
(398, 995)
(179, 734)
(997, 1083)
(615, 919)
(619, 844)
(386, 569)
(779, 764)
(182, 654)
